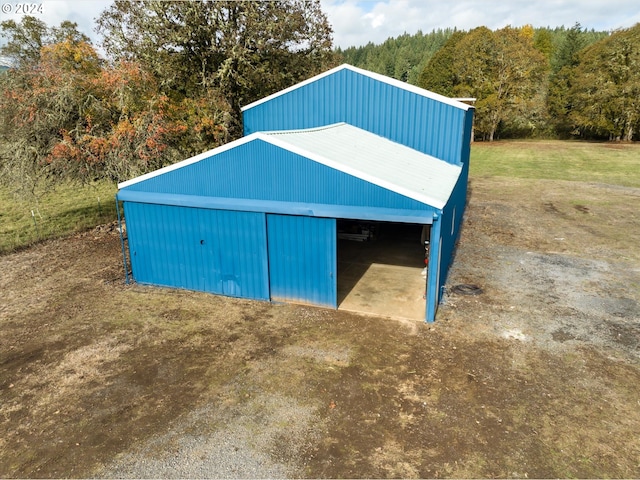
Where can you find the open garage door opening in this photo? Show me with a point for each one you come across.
(381, 268)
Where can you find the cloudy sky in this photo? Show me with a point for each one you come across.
(356, 22)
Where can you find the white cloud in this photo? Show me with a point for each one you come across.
(375, 20)
(52, 12)
(358, 22)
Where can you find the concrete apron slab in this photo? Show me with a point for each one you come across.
(392, 291)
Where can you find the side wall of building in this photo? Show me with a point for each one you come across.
(453, 212)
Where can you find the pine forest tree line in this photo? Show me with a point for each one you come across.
(528, 82)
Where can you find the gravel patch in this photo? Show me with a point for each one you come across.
(561, 301)
(261, 438)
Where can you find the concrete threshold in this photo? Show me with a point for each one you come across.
(391, 291)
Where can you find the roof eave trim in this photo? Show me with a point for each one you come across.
(280, 207)
(375, 76)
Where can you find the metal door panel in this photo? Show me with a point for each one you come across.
(302, 259)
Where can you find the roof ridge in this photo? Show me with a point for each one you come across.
(298, 130)
(280, 140)
(376, 76)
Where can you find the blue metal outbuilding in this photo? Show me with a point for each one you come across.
(256, 218)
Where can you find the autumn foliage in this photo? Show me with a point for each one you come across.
(71, 115)
(176, 76)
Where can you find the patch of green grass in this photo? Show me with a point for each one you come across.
(610, 163)
(66, 210)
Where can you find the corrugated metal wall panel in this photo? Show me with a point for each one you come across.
(260, 170)
(451, 220)
(240, 239)
(453, 212)
(214, 251)
(160, 252)
(434, 271)
(302, 259)
(405, 117)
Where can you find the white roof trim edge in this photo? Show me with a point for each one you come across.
(375, 76)
(188, 161)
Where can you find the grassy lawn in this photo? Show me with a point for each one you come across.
(610, 163)
(66, 210)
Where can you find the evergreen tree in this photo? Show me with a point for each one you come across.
(567, 54)
(403, 57)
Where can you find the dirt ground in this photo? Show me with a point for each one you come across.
(537, 376)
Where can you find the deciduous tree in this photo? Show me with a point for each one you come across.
(439, 74)
(543, 42)
(69, 116)
(502, 70)
(605, 87)
(26, 39)
(243, 49)
(38, 100)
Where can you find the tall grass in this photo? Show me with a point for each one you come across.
(609, 163)
(66, 210)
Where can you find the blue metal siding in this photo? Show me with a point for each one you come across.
(215, 251)
(434, 271)
(422, 123)
(262, 171)
(152, 244)
(302, 259)
(446, 230)
(452, 216)
(199, 240)
(240, 243)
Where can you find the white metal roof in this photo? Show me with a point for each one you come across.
(375, 159)
(375, 76)
(356, 152)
